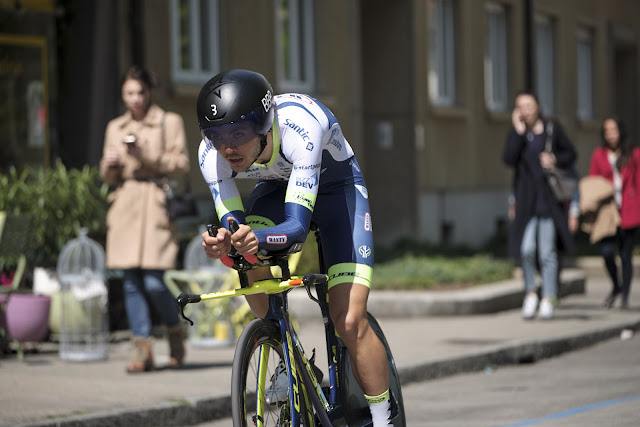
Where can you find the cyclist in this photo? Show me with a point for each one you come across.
(306, 171)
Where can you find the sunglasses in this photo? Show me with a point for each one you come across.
(232, 135)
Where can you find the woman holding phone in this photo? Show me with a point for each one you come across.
(142, 148)
(540, 225)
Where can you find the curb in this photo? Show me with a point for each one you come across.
(489, 298)
(483, 299)
(513, 354)
(200, 410)
(190, 412)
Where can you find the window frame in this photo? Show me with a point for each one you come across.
(496, 58)
(299, 75)
(441, 70)
(545, 76)
(585, 102)
(196, 73)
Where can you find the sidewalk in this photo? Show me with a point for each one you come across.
(43, 390)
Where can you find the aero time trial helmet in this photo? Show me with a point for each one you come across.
(234, 107)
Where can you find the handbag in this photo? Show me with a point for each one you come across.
(179, 204)
(563, 182)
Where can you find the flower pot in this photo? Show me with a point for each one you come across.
(3, 317)
(27, 317)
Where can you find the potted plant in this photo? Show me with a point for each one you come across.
(60, 202)
(46, 208)
(24, 317)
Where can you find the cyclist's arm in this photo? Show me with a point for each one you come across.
(219, 178)
(300, 200)
(293, 230)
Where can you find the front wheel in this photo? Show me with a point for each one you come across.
(257, 359)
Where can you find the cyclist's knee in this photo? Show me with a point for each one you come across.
(350, 324)
(259, 274)
(348, 307)
(259, 304)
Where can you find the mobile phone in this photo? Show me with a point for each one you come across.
(129, 139)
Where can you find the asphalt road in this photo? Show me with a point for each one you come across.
(598, 386)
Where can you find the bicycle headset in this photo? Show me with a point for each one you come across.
(234, 107)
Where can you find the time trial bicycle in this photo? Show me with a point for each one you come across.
(270, 347)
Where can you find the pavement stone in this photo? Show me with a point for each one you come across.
(432, 334)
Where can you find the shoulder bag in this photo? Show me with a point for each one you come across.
(178, 203)
(563, 182)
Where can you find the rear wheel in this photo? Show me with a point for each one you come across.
(356, 406)
(258, 354)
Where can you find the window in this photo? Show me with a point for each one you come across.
(545, 63)
(495, 58)
(195, 50)
(441, 77)
(295, 48)
(584, 74)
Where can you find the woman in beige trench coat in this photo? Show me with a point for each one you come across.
(141, 148)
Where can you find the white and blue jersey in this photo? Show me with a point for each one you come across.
(312, 175)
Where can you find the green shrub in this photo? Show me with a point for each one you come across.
(415, 266)
(421, 272)
(59, 202)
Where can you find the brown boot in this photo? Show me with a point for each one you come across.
(142, 360)
(175, 335)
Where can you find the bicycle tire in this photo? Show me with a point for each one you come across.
(356, 406)
(246, 378)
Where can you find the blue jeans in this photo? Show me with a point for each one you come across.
(540, 236)
(140, 284)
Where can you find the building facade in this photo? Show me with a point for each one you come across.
(423, 88)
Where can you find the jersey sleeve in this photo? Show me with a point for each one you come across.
(219, 178)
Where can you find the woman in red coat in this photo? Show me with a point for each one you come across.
(617, 161)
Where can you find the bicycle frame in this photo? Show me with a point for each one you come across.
(329, 409)
(277, 290)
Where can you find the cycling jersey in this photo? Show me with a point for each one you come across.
(313, 174)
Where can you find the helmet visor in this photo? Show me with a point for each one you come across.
(232, 135)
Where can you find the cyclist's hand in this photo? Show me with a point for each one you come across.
(217, 246)
(245, 240)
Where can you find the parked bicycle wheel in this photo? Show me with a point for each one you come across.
(256, 363)
(356, 406)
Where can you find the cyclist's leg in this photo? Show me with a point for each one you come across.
(259, 303)
(345, 226)
(348, 307)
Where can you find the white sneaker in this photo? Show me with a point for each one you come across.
(546, 309)
(529, 305)
(279, 389)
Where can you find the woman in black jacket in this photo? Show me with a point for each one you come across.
(540, 225)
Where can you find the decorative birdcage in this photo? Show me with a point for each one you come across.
(212, 318)
(84, 325)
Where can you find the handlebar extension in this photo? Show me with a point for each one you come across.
(233, 257)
